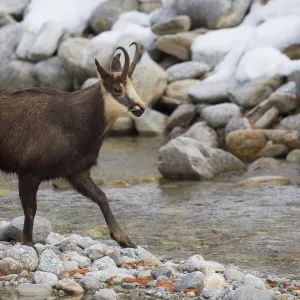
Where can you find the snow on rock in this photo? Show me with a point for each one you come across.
(273, 62)
(15, 7)
(71, 15)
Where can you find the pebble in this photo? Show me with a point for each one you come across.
(103, 263)
(94, 280)
(30, 290)
(191, 280)
(254, 281)
(233, 274)
(70, 287)
(213, 280)
(96, 251)
(50, 262)
(83, 261)
(215, 292)
(161, 271)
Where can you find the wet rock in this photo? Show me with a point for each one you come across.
(172, 25)
(41, 45)
(50, 73)
(252, 93)
(50, 262)
(54, 239)
(178, 89)
(41, 229)
(69, 286)
(15, 7)
(182, 116)
(104, 262)
(25, 255)
(201, 132)
(10, 266)
(273, 150)
(188, 281)
(45, 278)
(250, 293)
(213, 279)
(83, 261)
(231, 274)
(187, 158)
(149, 85)
(187, 70)
(94, 280)
(108, 12)
(294, 156)
(245, 144)
(152, 123)
(208, 14)
(177, 45)
(97, 251)
(70, 265)
(263, 180)
(213, 292)
(237, 124)
(267, 119)
(17, 75)
(31, 290)
(211, 93)
(254, 281)
(106, 294)
(218, 115)
(162, 271)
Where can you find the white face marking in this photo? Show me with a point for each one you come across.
(132, 94)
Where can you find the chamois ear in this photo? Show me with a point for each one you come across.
(102, 72)
(116, 64)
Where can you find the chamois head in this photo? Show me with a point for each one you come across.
(117, 87)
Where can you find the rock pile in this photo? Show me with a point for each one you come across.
(220, 75)
(76, 265)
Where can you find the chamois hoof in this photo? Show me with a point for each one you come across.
(123, 240)
(127, 244)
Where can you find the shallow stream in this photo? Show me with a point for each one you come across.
(252, 227)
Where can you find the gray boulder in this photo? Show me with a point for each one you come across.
(172, 25)
(15, 7)
(192, 280)
(103, 263)
(213, 292)
(36, 47)
(17, 75)
(152, 123)
(10, 266)
(273, 150)
(254, 281)
(252, 93)
(94, 280)
(25, 255)
(182, 116)
(225, 13)
(108, 12)
(211, 93)
(162, 14)
(250, 293)
(179, 89)
(231, 274)
(50, 262)
(187, 70)
(41, 229)
(95, 252)
(218, 115)
(89, 82)
(50, 73)
(187, 158)
(237, 124)
(45, 278)
(204, 134)
(149, 6)
(150, 84)
(291, 122)
(3, 236)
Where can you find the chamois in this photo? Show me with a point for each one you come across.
(47, 134)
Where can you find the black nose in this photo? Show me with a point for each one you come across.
(138, 110)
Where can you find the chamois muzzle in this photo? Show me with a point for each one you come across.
(137, 110)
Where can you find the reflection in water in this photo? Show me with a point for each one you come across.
(249, 227)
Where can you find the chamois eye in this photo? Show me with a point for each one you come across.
(117, 90)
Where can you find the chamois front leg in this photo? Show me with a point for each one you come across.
(28, 187)
(84, 184)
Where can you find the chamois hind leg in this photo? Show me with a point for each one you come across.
(84, 184)
(28, 187)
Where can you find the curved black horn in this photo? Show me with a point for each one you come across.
(126, 64)
(136, 59)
